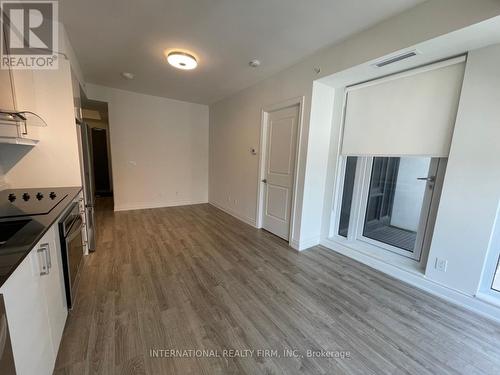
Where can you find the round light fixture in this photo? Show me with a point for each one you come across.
(182, 60)
(254, 63)
(128, 75)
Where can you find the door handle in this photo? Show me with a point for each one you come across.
(428, 179)
(264, 181)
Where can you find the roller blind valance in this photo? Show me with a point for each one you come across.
(411, 113)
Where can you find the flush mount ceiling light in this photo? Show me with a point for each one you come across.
(255, 63)
(128, 75)
(182, 60)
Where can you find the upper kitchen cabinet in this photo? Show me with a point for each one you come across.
(17, 87)
(18, 120)
(19, 99)
(12, 128)
(6, 92)
(20, 124)
(24, 90)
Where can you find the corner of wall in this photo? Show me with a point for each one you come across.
(304, 244)
(245, 219)
(66, 48)
(316, 165)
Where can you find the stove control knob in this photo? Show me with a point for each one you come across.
(39, 196)
(26, 197)
(52, 195)
(12, 197)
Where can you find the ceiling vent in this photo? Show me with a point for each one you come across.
(396, 58)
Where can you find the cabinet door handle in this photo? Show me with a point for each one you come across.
(47, 255)
(42, 256)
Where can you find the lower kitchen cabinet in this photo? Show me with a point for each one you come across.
(54, 290)
(36, 307)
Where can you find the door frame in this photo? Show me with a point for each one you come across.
(485, 290)
(108, 154)
(299, 101)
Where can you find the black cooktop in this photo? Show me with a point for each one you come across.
(24, 220)
(29, 202)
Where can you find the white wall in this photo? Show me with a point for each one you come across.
(471, 189)
(235, 121)
(318, 144)
(159, 149)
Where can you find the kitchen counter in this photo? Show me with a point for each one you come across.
(22, 242)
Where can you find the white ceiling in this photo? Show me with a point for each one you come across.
(113, 36)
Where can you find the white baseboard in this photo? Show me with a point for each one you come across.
(418, 280)
(147, 205)
(245, 219)
(304, 244)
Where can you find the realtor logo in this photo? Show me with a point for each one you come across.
(29, 34)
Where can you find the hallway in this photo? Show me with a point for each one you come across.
(193, 277)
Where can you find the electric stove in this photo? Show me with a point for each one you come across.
(15, 203)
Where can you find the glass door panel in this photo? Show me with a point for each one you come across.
(347, 195)
(398, 196)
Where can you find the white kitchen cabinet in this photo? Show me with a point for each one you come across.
(6, 95)
(54, 290)
(24, 89)
(7, 103)
(35, 305)
(18, 95)
(23, 83)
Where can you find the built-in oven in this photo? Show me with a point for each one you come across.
(7, 366)
(70, 231)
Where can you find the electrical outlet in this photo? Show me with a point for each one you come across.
(441, 264)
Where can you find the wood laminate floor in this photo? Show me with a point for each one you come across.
(194, 278)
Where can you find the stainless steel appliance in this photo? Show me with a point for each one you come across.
(70, 232)
(84, 137)
(7, 366)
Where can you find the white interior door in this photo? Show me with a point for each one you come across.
(279, 170)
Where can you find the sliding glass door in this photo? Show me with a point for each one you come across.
(386, 202)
